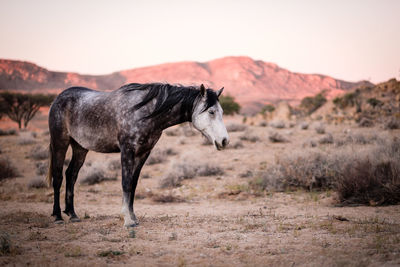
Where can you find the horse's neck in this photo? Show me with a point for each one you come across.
(174, 117)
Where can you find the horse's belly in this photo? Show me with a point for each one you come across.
(97, 143)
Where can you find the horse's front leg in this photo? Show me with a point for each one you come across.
(139, 162)
(128, 166)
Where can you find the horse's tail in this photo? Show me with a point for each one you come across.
(49, 177)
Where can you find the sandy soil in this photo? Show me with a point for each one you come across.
(214, 221)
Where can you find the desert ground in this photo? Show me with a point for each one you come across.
(212, 217)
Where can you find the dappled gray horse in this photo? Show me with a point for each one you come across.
(129, 120)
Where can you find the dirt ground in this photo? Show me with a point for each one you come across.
(211, 221)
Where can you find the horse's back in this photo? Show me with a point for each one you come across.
(86, 115)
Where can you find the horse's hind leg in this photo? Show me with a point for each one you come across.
(58, 149)
(71, 174)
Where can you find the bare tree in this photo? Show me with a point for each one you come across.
(21, 108)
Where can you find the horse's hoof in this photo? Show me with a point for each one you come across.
(59, 221)
(131, 225)
(74, 219)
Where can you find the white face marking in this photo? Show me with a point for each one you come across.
(210, 124)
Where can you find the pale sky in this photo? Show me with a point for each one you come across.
(351, 40)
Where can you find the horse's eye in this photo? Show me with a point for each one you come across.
(211, 112)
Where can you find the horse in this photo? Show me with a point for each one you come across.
(129, 120)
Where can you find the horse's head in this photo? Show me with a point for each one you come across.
(207, 117)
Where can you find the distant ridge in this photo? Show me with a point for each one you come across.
(252, 82)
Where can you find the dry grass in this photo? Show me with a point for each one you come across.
(166, 198)
(39, 153)
(7, 169)
(369, 176)
(320, 128)
(37, 182)
(181, 172)
(275, 137)
(248, 136)
(95, 177)
(234, 127)
(277, 124)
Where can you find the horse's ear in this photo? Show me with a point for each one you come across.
(202, 90)
(219, 92)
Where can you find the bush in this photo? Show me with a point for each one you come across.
(365, 122)
(247, 136)
(304, 125)
(37, 182)
(391, 124)
(8, 132)
(95, 177)
(156, 157)
(181, 172)
(277, 124)
(25, 141)
(166, 198)
(229, 105)
(39, 153)
(42, 168)
(7, 169)
(233, 127)
(370, 176)
(114, 165)
(320, 128)
(348, 100)
(267, 109)
(311, 104)
(374, 102)
(275, 137)
(327, 139)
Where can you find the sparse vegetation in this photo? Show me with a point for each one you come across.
(312, 103)
(248, 136)
(267, 109)
(277, 124)
(229, 105)
(320, 128)
(96, 176)
(37, 182)
(275, 137)
(181, 172)
(8, 132)
(7, 169)
(304, 125)
(234, 127)
(371, 177)
(39, 153)
(348, 100)
(166, 198)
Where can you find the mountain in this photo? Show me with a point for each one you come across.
(252, 82)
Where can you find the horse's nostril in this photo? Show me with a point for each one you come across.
(224, 142)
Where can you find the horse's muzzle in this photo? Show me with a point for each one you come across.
(221, 146)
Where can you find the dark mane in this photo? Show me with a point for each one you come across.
(168, 96)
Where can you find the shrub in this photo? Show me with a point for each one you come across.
(37, 182)
(275, 137)
(263, 124)
(8, 132)
(237, 145)
(348, 100)
(247, 136)
(327, 139)
(187, 171)
(7, 169)
(371, 176)
(267, 109)
(24, 141)
(320, 128)
(41, 167)
(95, 177)
(365, 122)
(114, 165)
(304, 125)
(229, 105)
(166, 198)
(391, 124)
(312, 103)
(374, 102)
(39, 153)
(5, 244)
(234, 127)
(156, 157)
(277, 124)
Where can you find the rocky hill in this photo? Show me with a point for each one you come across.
(252, 82)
